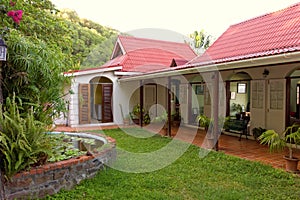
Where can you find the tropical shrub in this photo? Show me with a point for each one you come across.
(23, 142)
(279, 141)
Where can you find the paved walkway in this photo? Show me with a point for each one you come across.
(246, 149)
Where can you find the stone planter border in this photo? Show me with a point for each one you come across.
(49, 179)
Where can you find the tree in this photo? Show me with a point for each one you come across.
(39, 51)
(100, 54)
(92, 42)
(200, 41)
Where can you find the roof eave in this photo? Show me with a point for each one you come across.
(94, 71)
(197, 68)
(120, 73)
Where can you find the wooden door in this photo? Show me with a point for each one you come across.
(107, 103)
(258, 104)
(276, 105)
(84, 104)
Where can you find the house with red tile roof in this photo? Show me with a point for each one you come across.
(251, 70)
(96, 91)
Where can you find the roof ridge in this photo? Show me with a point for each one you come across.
(149, 39)
(266, 14)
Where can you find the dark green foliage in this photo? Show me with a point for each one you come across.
(23, 141)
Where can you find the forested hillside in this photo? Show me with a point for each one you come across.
(92, 42)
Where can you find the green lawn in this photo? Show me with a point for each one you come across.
(217, 176)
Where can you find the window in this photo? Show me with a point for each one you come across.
(242, 88)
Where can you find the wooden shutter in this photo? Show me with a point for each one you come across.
(107, 103)
(84, 104)
(276, 105)
(258, 103)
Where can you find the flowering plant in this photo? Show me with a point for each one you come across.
(16, 15)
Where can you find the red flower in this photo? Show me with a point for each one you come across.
(16, 15)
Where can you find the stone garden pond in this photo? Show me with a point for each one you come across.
(70, 145)
(77, 156)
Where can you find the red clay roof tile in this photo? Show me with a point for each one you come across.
(146, 55)
(270, 34)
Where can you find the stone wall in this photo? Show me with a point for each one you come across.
(51, 178)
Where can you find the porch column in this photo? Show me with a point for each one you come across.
(288, 101)
(141, 103)
(228, 94)
(216, 110)
(169, 106)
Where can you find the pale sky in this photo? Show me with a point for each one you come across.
(184, 17)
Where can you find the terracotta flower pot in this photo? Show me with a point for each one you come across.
(291, 164)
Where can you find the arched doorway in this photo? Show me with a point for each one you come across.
(96, 101)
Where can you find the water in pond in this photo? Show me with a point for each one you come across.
(84, 144)
(69, 145)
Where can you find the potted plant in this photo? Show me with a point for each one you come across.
(204, 121)
(136, 115)
(257, 132)
(279, 141)
(146, 118)
(238, 109)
